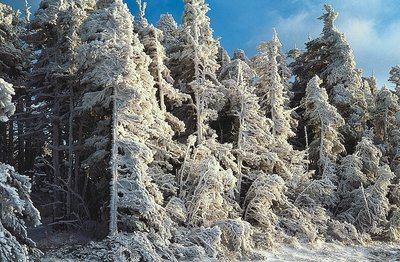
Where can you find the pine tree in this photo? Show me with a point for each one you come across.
(325, 120)
(196, 66)
(386, 108)
(169, 27)
(275, 90)
(56, 91)
(370, 89)
(14, 68)
(395, 78)
(241, 55)
(151, 37)
(7, 108)
(330, 57)
(115, 63)
(16, 207)
(370, 207)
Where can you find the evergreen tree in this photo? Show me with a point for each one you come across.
(16, 207)
(7, 108)
(151, 38)
(386, 108)
(196, 66)
(169, 27)
(57, 91)
(275, 89)
(370, 89)
(117, 66)
(330, 57)
(14, 68)
(395, 78)
(370, 207)
(325, 120)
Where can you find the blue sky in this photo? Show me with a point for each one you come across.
(371, 26)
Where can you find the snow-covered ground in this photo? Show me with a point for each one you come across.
(64, 243)
(326, 252)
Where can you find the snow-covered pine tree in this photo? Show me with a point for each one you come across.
(370, 89)
(7, 108)
(14, 67)
(112, 60)
(194, 67)
(369, 208)
(169, 27)
(326, 144)
(384, 115)
(16, 208)
(269, 64)
(152, 37)
(330, 57)
(245, 106)
(364, 189)
(16, 213)
(56, 92)
(241, 55)
(272, 86)
(395, 78)
(358, 169)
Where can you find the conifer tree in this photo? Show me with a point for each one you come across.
(169, 27)
(370, 206)
(330, 57)
(325, 120)
(7, 108)
(395, 78)
(116, 63)
(277, 95)
(16, 207)
(196, 66)
(370, 89)
(57, 93)
(14, 68)
(386, 108)
(151, 37)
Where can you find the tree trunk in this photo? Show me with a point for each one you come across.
(56, 154)
(113, 230)
(70, 150)
(20, 130)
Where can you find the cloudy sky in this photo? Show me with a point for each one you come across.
(372, 27)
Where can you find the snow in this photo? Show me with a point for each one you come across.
(336, 252)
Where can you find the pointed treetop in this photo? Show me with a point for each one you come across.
(27, 11)
(395, 77)
(275, 35)
(193, 1)
(275, 42)
(240, 54)
(167, 19)
(142, 11)
(329, 17)
(315, 81)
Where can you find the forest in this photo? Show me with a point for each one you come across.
(158, 145)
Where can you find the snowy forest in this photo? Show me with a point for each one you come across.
(157, 145)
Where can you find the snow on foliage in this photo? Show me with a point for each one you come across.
(395, 78)
(151, 37)
(386, 108)
(204, 155)
(7, 108)
(330, 57)
(16, 213)
(16, 208)
(324, 119)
